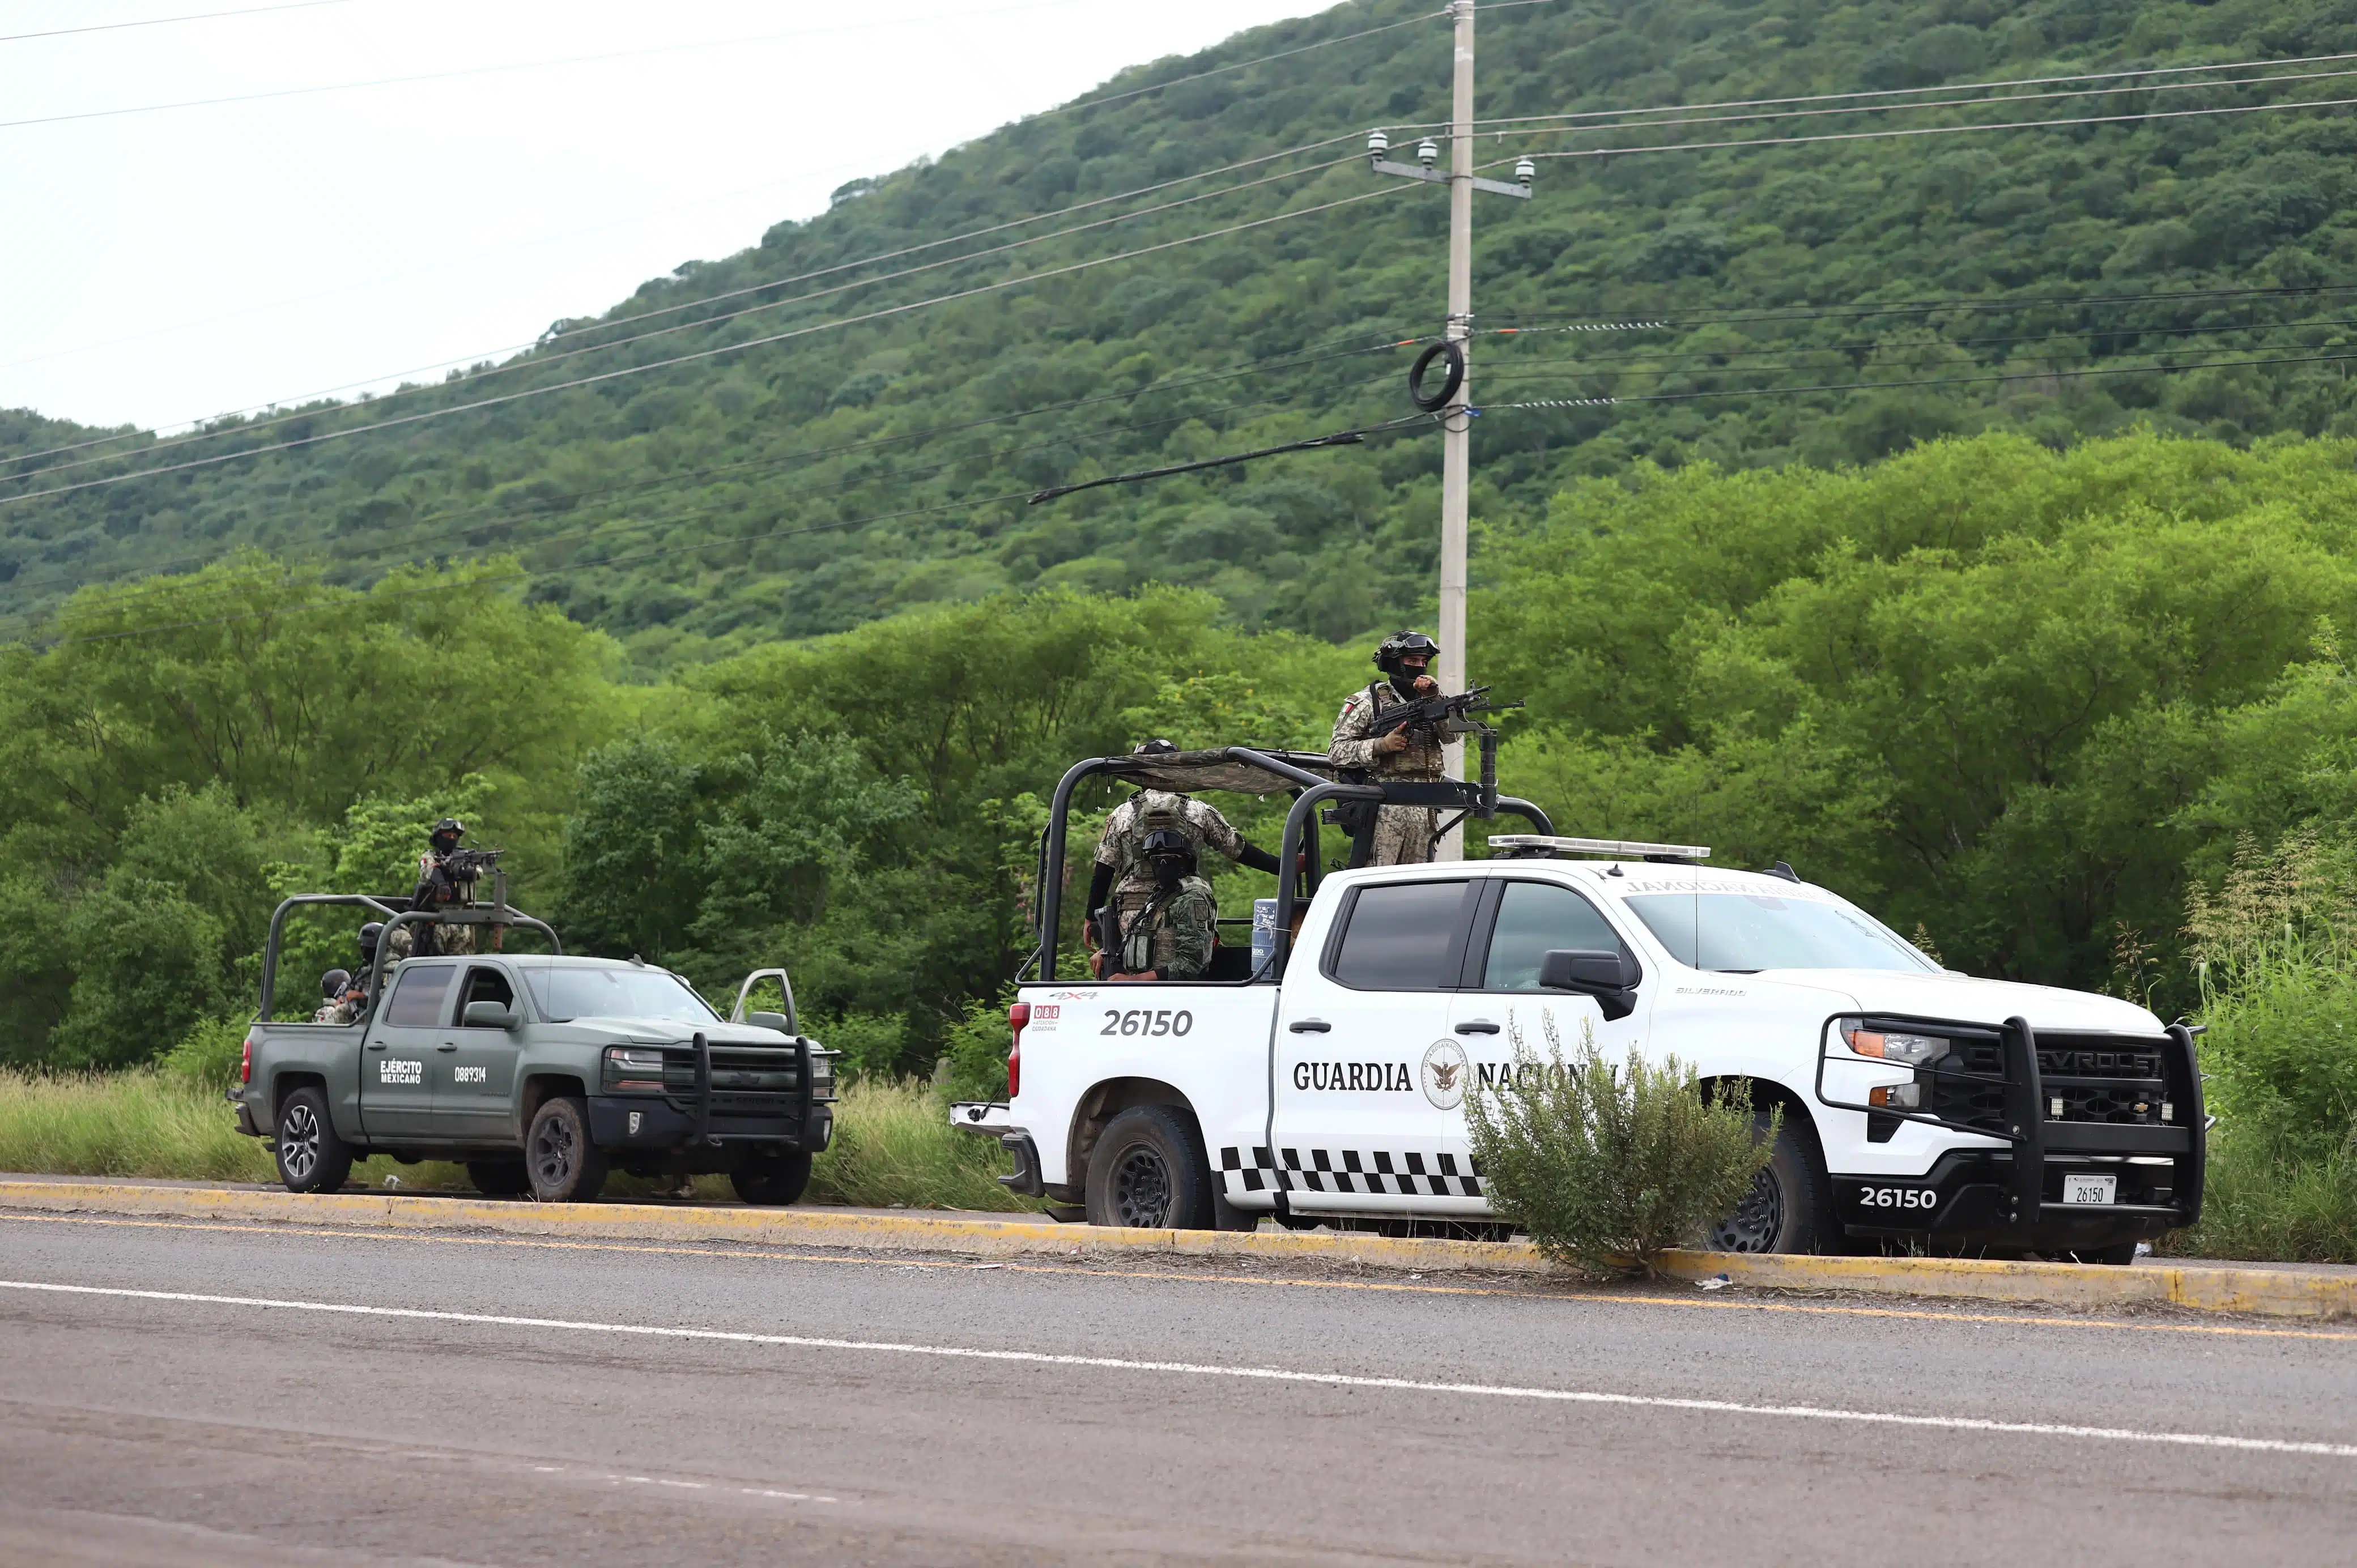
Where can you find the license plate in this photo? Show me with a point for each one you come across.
(2089, 1188)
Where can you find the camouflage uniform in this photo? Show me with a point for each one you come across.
(450, 940)
(1119, 844)
(1402, 833)
(1172, 934)
(343, 1010)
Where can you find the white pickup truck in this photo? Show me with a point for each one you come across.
(1326, 1082)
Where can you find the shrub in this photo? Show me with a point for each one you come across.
(894, 1148)
(972, 1064)
(1605, 1164)
(208, 1056)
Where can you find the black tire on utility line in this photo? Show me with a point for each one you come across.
(1433, 402)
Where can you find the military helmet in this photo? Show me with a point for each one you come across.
(370, 934)
(1401, 645)
(450, 827)
(1157, 748)
(334, 984)
(1167, 841)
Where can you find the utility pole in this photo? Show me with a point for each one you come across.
(1456, 422)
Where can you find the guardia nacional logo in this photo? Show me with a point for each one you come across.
(1444, 1074)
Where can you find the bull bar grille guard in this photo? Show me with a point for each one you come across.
(2025, 1125)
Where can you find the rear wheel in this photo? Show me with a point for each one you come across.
(562, 1164)
(1781, 1213)
(1149, 1170)
(499, 1179)
(771, 1181)
(311, 1156)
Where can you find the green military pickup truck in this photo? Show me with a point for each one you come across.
(539, 1071)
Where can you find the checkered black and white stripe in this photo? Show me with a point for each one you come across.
(1409, 1175)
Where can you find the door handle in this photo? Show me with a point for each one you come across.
(1477, 1026)
(1310, 1027)
(447, 1046)
(376, 1045)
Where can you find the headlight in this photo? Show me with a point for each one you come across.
(821, 1075)
(634, 1069)
(1907, 1050)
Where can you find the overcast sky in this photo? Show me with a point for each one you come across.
(158, 267)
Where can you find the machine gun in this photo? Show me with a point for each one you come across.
(1444, 714)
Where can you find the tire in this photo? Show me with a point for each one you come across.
(1784, 1210)
(312, 1157)
(1148, 1171)
(771, 1183)
(560, 1163)
(499, 1179)
(1069, 1213)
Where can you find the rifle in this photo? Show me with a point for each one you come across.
(1446, 713)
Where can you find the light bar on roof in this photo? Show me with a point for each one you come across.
(1611, 849)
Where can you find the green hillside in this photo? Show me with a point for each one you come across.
(810, 484)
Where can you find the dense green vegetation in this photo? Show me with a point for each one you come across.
(729, 490)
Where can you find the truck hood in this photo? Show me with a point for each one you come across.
(1967, 1000)
(649, 1032)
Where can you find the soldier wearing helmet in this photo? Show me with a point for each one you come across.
(1121, 868)
(1399, 834)
(436, 887)
(1172, 936)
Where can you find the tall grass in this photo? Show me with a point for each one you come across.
(893, 1143)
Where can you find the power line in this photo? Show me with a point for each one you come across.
(1919, 307)
(497, 517)
(1606, 402)
(538, 360)
(167, 21)
(1898, 91)
(708, 299)
(1930, 130)
(603, 376)
(1931, 104)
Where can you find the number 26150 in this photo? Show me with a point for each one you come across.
(1899, 1197)
(1138, 1021)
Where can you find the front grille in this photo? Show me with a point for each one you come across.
(2102, 1078)
(1966, 1103)
(2098, 1079)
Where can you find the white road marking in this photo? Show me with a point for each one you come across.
(1267, 1374)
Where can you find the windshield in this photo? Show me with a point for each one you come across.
(1737, 933)
(563, 995)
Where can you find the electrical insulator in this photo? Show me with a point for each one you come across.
(1427, 151)
(1525, 171)
(1378, 144)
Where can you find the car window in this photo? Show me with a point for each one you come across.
(1402, 935)
(563, 995)
(484, 983)
(1742, 933)
(417, 995)
(1534, 918)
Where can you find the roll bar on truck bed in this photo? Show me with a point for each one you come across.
(1309, 777)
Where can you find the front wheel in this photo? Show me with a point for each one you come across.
(772, 1181)
(312, 1156)
(1781, 1213)
(562, 1164)
(1148, 1171)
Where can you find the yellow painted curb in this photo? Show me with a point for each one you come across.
(2272, 1292)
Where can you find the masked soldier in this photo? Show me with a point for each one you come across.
(1121, 869)
(1170, 938)
(438, 888)
(1400, 834)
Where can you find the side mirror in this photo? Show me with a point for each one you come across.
(488, 1016)
(769, 1021)
(1586, 969)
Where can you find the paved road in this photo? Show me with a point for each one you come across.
(187, 1399)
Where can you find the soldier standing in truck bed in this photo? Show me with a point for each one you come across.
(1121, 868)
(1403, 835)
